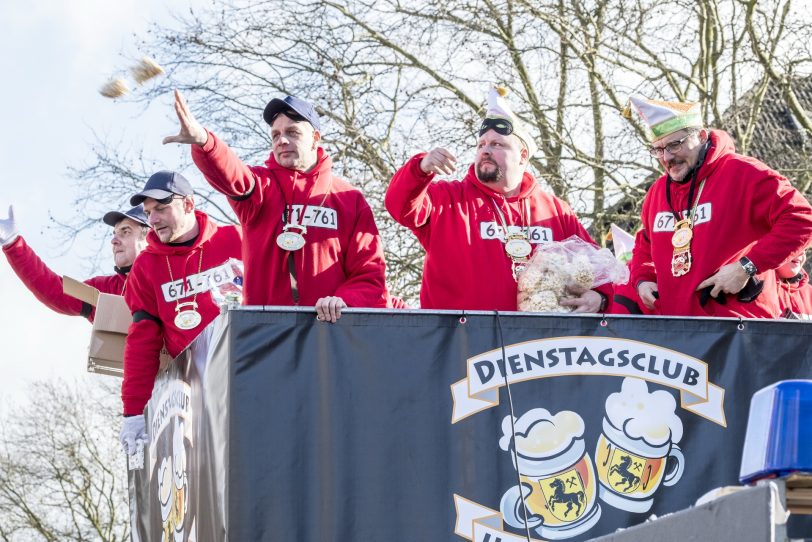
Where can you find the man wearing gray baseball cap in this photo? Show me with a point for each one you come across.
(169, 289)
(129, 239)
(310, 237)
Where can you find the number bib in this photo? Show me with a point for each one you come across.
(198, 283)
(536, 235)
(664, 220)
(316, 217)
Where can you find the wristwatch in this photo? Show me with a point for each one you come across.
(749, 267)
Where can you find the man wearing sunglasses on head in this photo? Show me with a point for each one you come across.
(478, 231)
(716, 225)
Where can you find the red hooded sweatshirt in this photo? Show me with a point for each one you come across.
(47, 285)
(152, 295)
(466, 266)
(796, 296)
(342, 255)
(745, 209)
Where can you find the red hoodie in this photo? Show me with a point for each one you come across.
(796, 296)
(47, 285)
(342, 256)
(152, 297)
(466, 266)
(745, 209)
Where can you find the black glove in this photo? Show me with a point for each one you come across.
(751, 290)
(705, 296)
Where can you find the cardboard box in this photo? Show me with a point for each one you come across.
(110, 326)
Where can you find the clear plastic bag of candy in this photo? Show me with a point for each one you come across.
(566, 269)
(227, 281)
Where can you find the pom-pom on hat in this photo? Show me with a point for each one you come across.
(664, 118)
(499, 109)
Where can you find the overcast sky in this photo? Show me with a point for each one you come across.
(56, 55)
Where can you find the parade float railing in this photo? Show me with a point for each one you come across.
(408, 425)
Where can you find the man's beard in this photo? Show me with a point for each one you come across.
(492, 176)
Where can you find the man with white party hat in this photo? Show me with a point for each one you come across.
(478, 231)
(716, 225)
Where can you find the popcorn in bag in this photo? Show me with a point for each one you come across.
(565, 269)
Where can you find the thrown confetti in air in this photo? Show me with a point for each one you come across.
(145, 70)
(114, 88)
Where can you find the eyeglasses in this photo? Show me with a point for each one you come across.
(672, 148)
(500, 126)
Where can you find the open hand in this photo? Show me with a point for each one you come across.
(8, 228)
(191, 131)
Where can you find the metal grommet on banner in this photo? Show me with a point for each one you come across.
(604, 323)
(740, 327)
(463, 319)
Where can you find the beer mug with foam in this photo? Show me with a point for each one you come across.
(630, 469)
(559, 492)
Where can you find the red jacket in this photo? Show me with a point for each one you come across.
(47, 285)
(745, 209)
(796, 297)
(466, 266)
(152, 297)
(342, 256)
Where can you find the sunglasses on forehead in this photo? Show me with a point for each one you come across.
(500, 126)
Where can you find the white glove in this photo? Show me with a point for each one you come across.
(8, 229)
(133, 433)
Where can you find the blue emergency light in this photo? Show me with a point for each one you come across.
(779, 431)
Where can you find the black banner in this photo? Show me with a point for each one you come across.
(398, 426)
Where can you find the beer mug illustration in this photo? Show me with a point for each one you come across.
(637, 450)
(557, 495)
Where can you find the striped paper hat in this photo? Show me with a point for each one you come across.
(663, 118)
(498, 108)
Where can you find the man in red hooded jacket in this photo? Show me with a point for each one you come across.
(716, 225)
(169, 288)
(477, 231)
(794, 290)
(310, 237)
(129, 239)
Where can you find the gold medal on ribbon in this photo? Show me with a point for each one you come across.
(681, 241)
(682, 233)
(681, 259)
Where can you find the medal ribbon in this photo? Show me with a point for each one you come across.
(294, 283)
(185, 289)
(700, 160)
(505, 223)
(288, 216)
(517, 264)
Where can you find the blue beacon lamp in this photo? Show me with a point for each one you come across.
(779, 432)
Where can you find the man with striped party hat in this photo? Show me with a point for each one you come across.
(716, 225)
